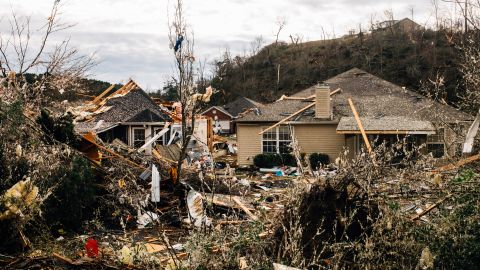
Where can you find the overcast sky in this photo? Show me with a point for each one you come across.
(130, 38)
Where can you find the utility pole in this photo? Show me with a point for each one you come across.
(278, 76)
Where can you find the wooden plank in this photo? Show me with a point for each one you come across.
(90, 137)
(62, 258)
(360, 126)
(457, 164)
(335, 91)
(97, 99)
(393, 132)
(121, 89)
(287, 118)
(297, 112)
(244, 208)
(160, 158)
(155, 137)
(297, 98)
(430, 208)
(277, 266)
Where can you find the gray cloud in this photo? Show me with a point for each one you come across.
(132, 40)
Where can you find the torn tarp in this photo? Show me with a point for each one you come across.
(178, 43)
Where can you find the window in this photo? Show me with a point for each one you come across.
(165, 138)
(269, 141)
(435, 143)
(277, 140)
(138, 137)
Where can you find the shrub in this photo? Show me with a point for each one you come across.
(317, 159)
(61, 128)
(271, 160)
(72, 201)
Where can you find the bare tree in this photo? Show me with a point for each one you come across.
(256, 44)
(59, 66)
(296, 38)
(281, 22)
(182, 43)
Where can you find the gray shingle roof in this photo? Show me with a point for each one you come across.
(347, 124)
(240, 105)
(373, 97)
(130, 105)
(134, 106)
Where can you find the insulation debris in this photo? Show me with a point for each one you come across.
(19, 199)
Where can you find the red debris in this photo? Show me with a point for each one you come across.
(92, 248)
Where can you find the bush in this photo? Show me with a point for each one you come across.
(72, 201)
(317, 159)
(271, 160)
(61, 128)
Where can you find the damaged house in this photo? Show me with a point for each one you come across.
(128, 114)
(223, 117)
(321, 119)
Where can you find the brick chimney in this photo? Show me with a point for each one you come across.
(322, 102)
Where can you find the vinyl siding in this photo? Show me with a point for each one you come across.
(311, 139)
(248, 143)
(320, 139)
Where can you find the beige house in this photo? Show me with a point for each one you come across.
(388, 112)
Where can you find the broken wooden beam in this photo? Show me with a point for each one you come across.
(430, 208)
(458, 164)
(287, 118)
(297, 112)
(160, 158)
(98, 98)
(90, 137)
(277, 266)
(62, 258)
(154, 138)
(360, 126)
(244, 208)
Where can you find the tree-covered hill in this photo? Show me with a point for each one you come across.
(407, 59)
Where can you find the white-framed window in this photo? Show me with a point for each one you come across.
(165, 138)
(436, 143)
(277, 140)
(138, 136)
(176, 129)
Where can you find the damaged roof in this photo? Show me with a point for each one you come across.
(373, 97)
(132, 105)
(240, 105)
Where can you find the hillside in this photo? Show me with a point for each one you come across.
(406, 59)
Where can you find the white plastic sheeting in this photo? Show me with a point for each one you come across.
(155, 184)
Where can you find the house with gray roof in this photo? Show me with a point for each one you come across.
(223, 116)
(127, 114)
(322, 121)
